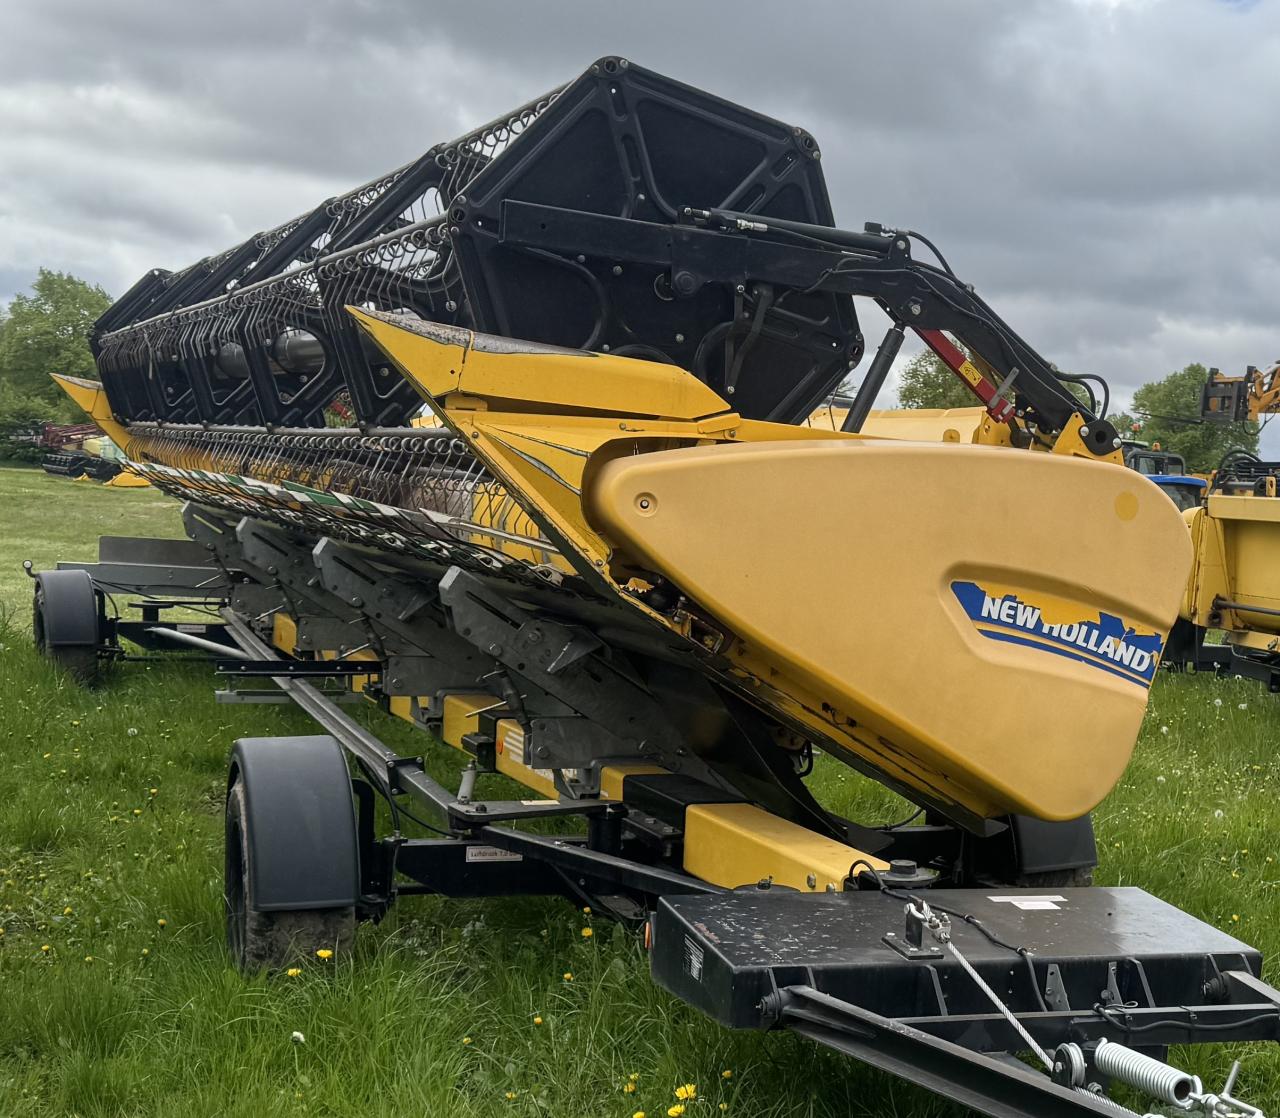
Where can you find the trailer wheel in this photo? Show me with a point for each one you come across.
(292, 853)
(272, 938)
(65, 623)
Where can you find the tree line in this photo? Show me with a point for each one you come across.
(44, 331)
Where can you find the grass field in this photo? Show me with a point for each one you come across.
(117, 999)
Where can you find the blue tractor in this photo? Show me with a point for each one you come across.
(1167, 470)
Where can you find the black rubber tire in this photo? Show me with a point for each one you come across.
(81, 662)
(276, 938)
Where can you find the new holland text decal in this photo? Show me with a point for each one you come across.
(1101, 640)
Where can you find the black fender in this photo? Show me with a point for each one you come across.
(1029, 847)
(68, 609)
(300, 824)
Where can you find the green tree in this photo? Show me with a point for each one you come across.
(22, 419)
(46, 332)
(1169, 411)
(927, 383)
(1125, 423)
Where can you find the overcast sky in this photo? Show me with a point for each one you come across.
(1105, 173)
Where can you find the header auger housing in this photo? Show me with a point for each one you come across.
(614, 566)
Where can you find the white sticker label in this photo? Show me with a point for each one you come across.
(1030, 904)
(491, 854)
(539, 803)
(693, 959)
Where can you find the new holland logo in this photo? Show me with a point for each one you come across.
(1102, 640)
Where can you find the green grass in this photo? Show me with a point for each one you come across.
(125, 1016)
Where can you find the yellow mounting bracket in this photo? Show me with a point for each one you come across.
(1069, 441)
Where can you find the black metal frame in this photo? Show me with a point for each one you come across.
(625, 212)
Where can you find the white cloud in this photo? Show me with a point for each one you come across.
(1101, 170)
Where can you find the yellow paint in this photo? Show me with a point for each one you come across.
(1236, 541)
(1071, 444)
(926, 425)
(740, 844)
(510, 760)
(957, 510)
(1262, 395)
(1243, 507)
(462, 714)
(127, 479)
(284, 632)
(970, 513)
(1258, 642)
(91, 397)
(612, 776)
(439, 360)
(401, 706)
(803, 554)
(1126, 505)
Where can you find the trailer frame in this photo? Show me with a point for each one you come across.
(1153, 988)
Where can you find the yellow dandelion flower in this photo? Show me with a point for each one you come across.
(45, 948)
(537, 1020)
(568, 976)
(155, 791)
(630, 1088)
(162, 923)
(1235, 918)
(88, 958)
(66, 911)
(587, 933)
(324, 953)
(586, 910)
(634, 1076)
(293, 972)
(466, 1040)
(724, 1106)
(137, 811)
(638, 1114)
(727, 1073)
(675, 1111)
(687, 1092)
(511, 1095)
(146, 951)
